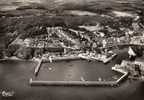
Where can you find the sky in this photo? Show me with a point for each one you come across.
(71, 1)
(79, 4)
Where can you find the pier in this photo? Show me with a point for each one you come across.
(38, 67)
(72, 83)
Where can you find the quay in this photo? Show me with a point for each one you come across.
(104, 60)
(63, 58)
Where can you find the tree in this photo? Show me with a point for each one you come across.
(25, 53)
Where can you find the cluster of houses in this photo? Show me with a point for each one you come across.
(60, 40)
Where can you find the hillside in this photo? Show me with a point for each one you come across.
(86, 23)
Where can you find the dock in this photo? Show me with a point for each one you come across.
(38, 67)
